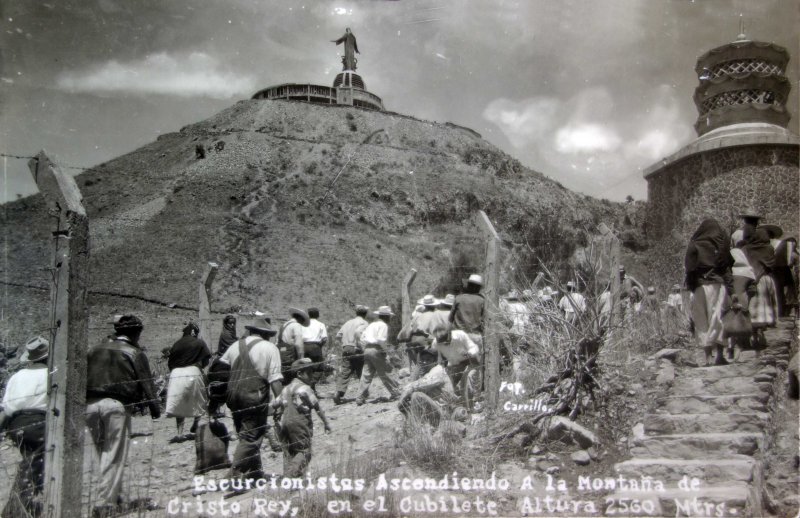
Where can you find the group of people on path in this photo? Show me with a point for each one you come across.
(270, 372)
(740, 284)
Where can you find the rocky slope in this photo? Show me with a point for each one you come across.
(299, 204)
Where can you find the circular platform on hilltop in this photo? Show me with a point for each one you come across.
(348, 89)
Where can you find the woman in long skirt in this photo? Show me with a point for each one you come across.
(764, 304)
(708, 276)
(186, 392)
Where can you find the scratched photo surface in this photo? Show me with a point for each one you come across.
(582, 165)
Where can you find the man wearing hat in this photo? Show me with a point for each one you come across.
(373, 339)
(24, 410)
(674, 299)
(650, 303)
(467, 312)
(572, 303)
(118, 378)
(290, 341)
(749, 225)
(315, 337)
(352, 353)
(255, 371)
(428, 323)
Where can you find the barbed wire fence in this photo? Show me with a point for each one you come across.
(142, 475)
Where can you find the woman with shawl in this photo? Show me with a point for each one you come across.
(228, 335)
(186, 392)
(708, 277)
(764, 304)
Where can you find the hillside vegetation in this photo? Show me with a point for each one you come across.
(299, 204)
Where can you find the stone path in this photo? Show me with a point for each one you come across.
(709, 425)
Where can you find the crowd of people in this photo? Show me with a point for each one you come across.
(267, 379)
(738, 285)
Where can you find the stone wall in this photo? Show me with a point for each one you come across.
(720, 183)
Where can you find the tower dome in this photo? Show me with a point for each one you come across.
(741, 82)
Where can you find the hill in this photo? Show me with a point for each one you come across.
(300, 204)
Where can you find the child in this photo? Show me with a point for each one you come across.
(744, 286)
(293, 406)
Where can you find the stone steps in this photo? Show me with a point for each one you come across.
(721, 422)
(696, 445)
(730, 500)
(729, 371)
(737, 468)
(704, 404)
(719, 387)
(710, 426)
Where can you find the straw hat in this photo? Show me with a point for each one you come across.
(261, 327)
(449, 300)
(475, 279)
(429, 300)
(512, 295)
(297, 312)
(773, 231)
(36, 349)
(384, 311)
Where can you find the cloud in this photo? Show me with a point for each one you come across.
(525, 122)
(662, 131)
(196, 74)
(586, 138)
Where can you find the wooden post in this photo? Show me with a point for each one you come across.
(68, 338)
(405, 315)
(616, 287)
(491, 327)
(204, 311)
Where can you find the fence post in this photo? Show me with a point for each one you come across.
(405, 315)
(68, 338)
(204, 311)
(491, 327)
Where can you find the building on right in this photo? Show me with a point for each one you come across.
(744, 158)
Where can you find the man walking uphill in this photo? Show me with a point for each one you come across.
(352, 352)
(467, 312)
(373, 340)
(24, 414)
(118, 378)
(255, 371)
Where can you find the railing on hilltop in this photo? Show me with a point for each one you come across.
(319, 94)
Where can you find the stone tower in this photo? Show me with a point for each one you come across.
(744, 156)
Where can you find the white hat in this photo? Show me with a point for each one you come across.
(384, 311)
(36, 349)
(449, 300)
(570, 284)
(429, 300)
(475, 279)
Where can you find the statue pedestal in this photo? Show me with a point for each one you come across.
(349, 79)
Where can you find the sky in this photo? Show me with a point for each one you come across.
(588, 92)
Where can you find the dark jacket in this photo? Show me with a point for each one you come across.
(467, 313)
(119, 370)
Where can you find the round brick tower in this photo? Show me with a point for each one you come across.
(743, 158)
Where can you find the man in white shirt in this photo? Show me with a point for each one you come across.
(315, 337)
(349, 337)
(252, 379)
(290, 341)
(572, 304)
(674, 299)
(24, 409)
(373, 339)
